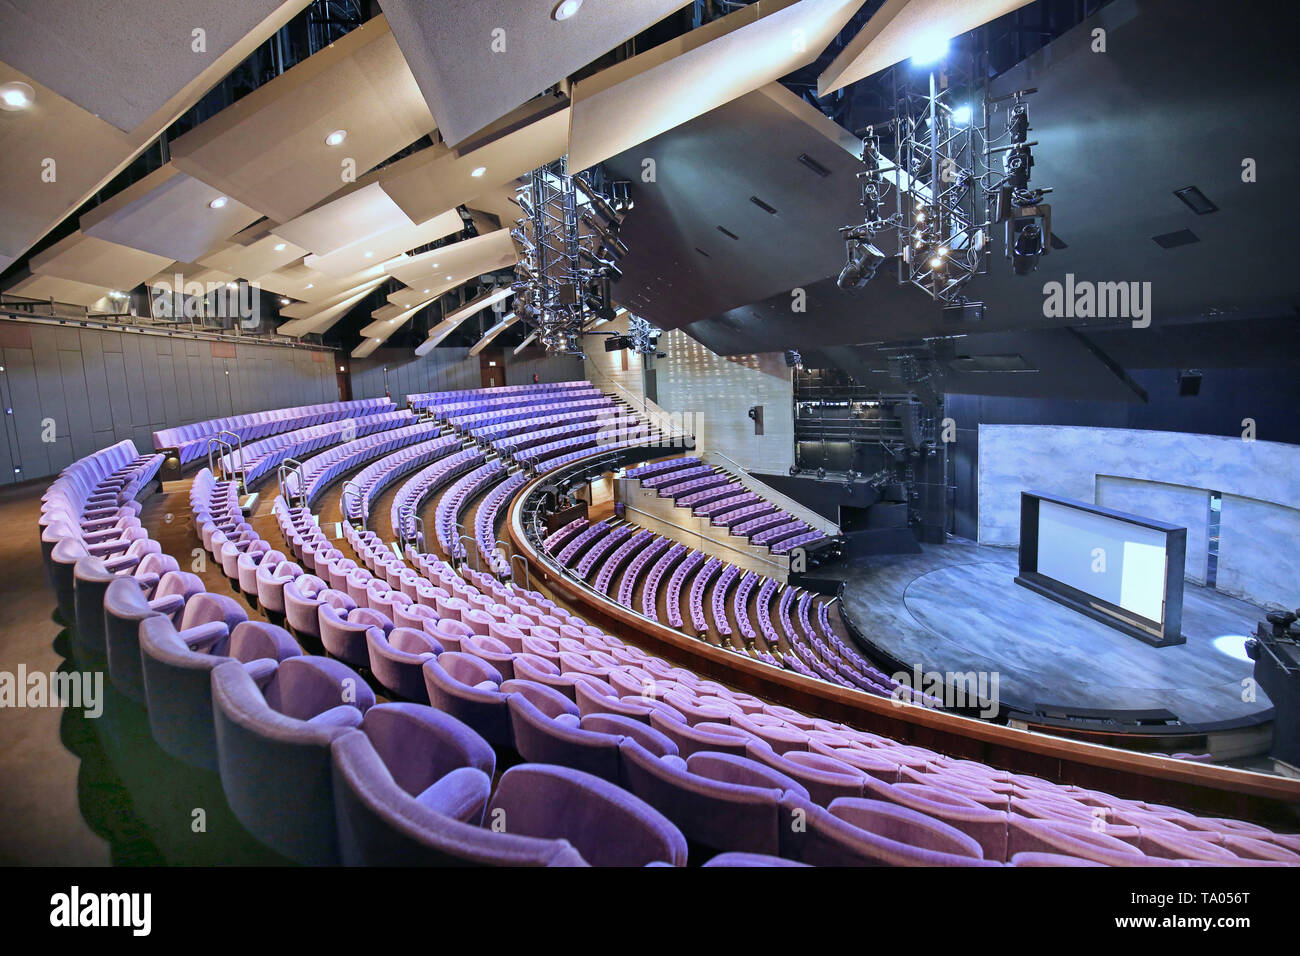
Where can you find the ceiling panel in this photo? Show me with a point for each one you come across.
(45, 288)
(352, 217)
(681, 267)
(94, 261)
(84, 150)
(323, 320)
(438, 178)
(639, 98)
(476, 60)
(311, 286)
(899, 28)
(125, 63)
(458, 262)
(256, 259)
(170, 214)
(268, 149)
(384, 245)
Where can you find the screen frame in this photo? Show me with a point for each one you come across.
(1161, 633)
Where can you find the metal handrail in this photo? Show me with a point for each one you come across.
(284, 470)
(468, 551)
(417, 540)
(653, 412)
(216, 442)
(343, 502)
(528, 585)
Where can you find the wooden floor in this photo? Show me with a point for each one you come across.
(956, 608)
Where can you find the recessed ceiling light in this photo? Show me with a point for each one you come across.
(426, 291)
(566, 8)
(479, 172)
(448, 278)
(219, 202)
(284, 301)
(280, 247)
(310, 285)
(369, 254)
(16, 96)
(336, 137)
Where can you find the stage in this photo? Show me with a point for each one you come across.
(955, 608)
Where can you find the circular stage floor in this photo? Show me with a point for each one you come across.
(956, 608)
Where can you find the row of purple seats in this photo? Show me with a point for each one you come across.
(261, 457)
(320, 471)
(514, 423)
(192, 440)
(564, 534)
(457, 498)
(702, 578)
(607, 543)
(779, 532)
(485, 523)
(669, 477)
(718, 603)
(612, 420)
(740, 605)
(650, 593)
(737, 518)
(683, 488)
(659, 467)
(606, 437)
(427, 482)
(618, 558)
(645, 552)
(505, 420)
(797, 541)
(451, 410)
(422, 400)
(697, 499)
(586, 538)
(373, 479)
(751, 525)
(673, 598)
(733, 499)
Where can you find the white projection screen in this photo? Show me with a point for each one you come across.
(1118, 561)
(1122, 569)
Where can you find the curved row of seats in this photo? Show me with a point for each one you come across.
(320, 471)
(191, 441)
(371, 481)
(815, 653)
(507, 424)
(478, 422)
(446, 520)
(688, 758)
(256, 460)
(426, 482)
(433, 400)
(712, 492)
(486, 519)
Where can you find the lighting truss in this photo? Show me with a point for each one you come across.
(570, 252)
(940, 174)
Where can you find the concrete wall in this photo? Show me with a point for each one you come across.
(68, 391)
(1152, 472)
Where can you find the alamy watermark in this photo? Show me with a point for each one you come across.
(961, 690)
(1083, 299)
(79, 690)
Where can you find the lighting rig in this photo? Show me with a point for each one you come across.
(1026, 218)
(641, 337)
(947, 197)
(570, 250)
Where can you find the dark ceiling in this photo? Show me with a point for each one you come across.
(1186, 90)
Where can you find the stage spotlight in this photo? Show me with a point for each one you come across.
(961, 115)
(930, 48)
(1028, 247)
(864, 260)
(821, 473)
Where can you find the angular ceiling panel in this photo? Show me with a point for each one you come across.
(352, 217)
(682, 266)
(256, 259)
(94, 261)
(457, 262)
(268, 150)
(384, 245)
(900, 28)
(655, 91)
(46, 288)
(125, 61)
(438, 178)
(476, 60)
(170, 214)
